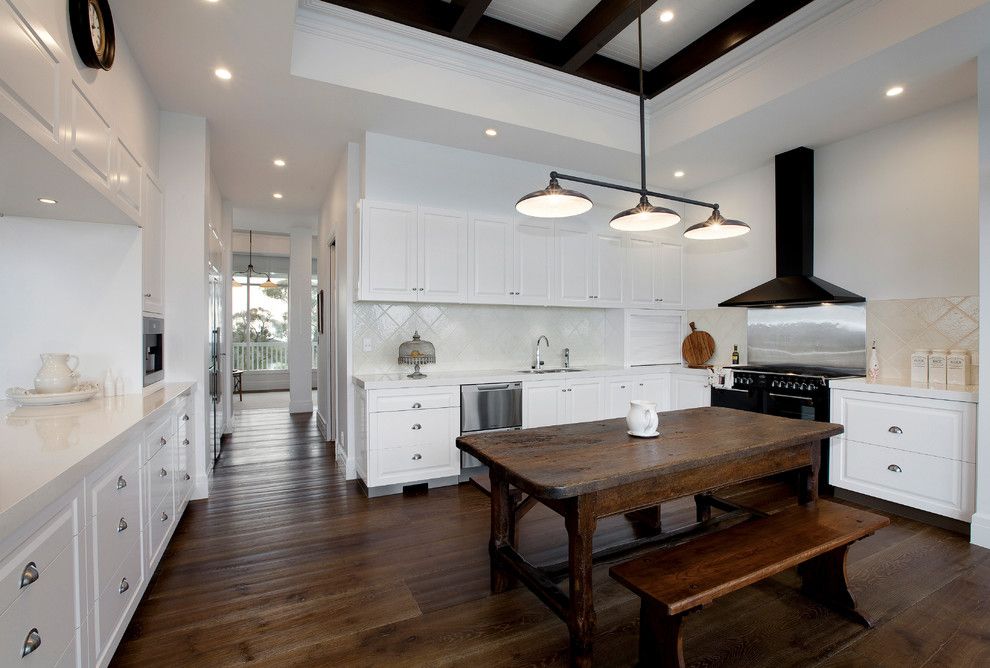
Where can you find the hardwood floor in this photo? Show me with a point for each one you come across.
(288, 564)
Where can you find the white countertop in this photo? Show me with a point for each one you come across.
(46, 450)
(393, 381)
(969, 393)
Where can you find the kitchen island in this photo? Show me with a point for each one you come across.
(588, 471)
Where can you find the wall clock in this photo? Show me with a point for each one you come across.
(92, 31)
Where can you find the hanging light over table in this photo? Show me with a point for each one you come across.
(553, 202)
(269, 283)
(717, 227)
(644, 217)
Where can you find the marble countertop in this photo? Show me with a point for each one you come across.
(394, 381)
(903, 388)
(47, 450)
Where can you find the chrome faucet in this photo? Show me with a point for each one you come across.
(539, 362)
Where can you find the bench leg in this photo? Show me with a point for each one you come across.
(660, 640)
(824, 579)
(703, 507)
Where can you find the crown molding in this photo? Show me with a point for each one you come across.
(328, 21)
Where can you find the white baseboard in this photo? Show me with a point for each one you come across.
(979, 530)
(321, 424)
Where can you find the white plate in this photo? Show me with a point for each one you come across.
(84, 392)
(653, 435)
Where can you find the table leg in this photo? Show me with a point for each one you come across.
(808, 491)
(580, 521)
(501, 528)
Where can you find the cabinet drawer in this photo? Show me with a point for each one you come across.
(46, 607)
(116, 525)
(35, 555)
(435, 397)
(421, 461)
(408, 428)
(935, 484)
(160, 521)
(158, 476)
(938, 428)
(158, 435)
(121, 589)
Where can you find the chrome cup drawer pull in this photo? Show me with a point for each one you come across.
(164, 516)
(162, 473)
(121, 525)
(186, 477)
(31, 643)
(417, 427)
(30, 574)
(185, 441)
(124, 586)
(417, 457)
(121, 482)
(185, 418)
(895, 468)
(895, 430)
(163, 441)
(417, 405)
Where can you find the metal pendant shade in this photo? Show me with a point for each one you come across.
(717, 227)
(553, 202)
(644, 217)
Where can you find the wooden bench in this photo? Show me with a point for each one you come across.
(679, 580)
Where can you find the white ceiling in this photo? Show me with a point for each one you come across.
(264, 112)
(553, 18)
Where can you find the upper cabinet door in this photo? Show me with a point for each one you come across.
(89, 137)
(443, 256)
(641, 260)
(533, 258)
(389, 242)
(670, 275)
(490, 262)
(608, 270)
(153, 247)
(573, 284)
(128, 179)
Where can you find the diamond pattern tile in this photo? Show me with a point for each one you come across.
(727, 326)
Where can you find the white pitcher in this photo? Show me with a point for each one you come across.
(642, 419)
(56, 375)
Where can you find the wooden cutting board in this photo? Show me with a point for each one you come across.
(698, 347)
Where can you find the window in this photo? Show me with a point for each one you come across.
(260, 323)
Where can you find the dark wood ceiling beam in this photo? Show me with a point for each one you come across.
(745, 24)
(598, 28)
(471, 13)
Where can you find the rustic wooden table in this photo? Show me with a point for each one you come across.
(592, 470)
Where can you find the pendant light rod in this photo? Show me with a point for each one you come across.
(630, 189)
(642, 105)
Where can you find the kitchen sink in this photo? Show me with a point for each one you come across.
(544, 371)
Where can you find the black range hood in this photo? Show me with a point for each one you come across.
(795, 284)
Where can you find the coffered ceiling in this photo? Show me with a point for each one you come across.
(595, 39)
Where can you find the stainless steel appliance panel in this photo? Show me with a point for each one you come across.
(153, 350)
(830, 335)
(490, 407)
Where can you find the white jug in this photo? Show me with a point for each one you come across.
(56, 375)
(642, 419)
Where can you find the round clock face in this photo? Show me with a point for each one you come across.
(96, 30)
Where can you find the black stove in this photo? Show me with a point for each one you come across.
(795, 370)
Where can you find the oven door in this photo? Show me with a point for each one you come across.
(744, 400)
(793, 406)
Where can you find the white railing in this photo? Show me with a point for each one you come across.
(265, 356)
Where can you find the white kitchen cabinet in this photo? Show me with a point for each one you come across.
(608, 270)
(490, 266)
(689, 391)
(619, 393)
(583, 399)
(389, 242)
(128, 179)
(641, 259)
(543, 403)
(574, 276)
(443, 259)
(653, 388)
(152, 247)
(915, 451)
(89, 138)
(533, 262)
(670, 275)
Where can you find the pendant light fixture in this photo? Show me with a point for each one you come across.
(555, 201)
(269, 283)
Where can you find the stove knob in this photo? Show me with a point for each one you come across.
(805, 387)
(775, 384)
(789, 385)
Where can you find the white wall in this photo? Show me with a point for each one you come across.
(300, 323)
(70, 287)
(981, 520)
(185, 179)
(895, 215)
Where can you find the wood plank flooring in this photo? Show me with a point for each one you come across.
(288, 564)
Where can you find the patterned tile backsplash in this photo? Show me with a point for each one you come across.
(727, 326)
(901, 326)
(476, 336)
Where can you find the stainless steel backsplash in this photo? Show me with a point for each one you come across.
(832, 335)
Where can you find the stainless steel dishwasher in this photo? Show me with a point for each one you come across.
(489, 407)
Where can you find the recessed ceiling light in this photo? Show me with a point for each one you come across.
(213, 1)
(47, 200)
(279, 162)
(491, 132)
(678, 174)
(666, 16)
(277, 195)
(222, 73)
(895, 91)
